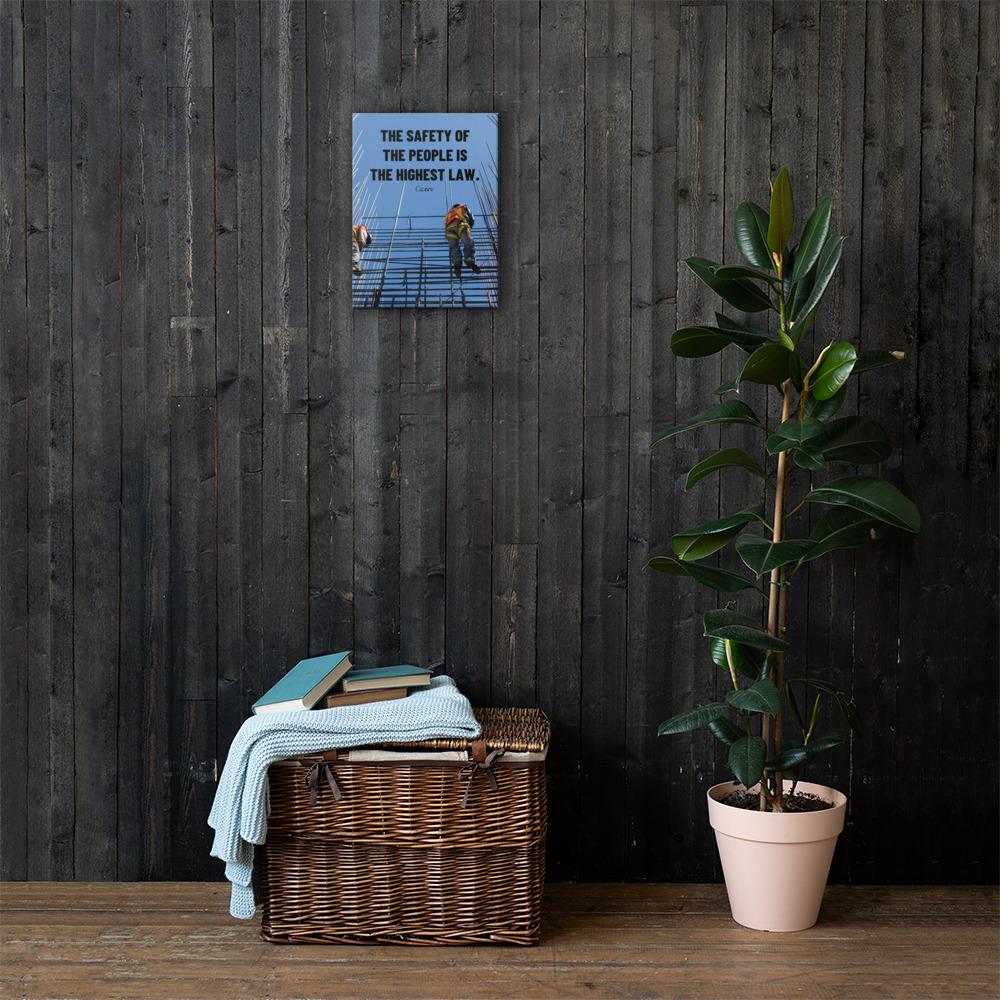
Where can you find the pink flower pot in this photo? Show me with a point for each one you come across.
(776, 864)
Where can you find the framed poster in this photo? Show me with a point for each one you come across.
(425, 230)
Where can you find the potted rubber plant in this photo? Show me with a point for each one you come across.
(776, 833)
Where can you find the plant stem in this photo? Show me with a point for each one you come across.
(729, 660)
(779, 680)
(776, 595)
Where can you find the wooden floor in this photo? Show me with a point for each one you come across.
(176, 940)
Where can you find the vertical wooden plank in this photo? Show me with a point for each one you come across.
(469, 601)
(607, 242)
(423, 359)
(376, 387)
(330, 93)
(145, 683)
(285, 552)
(984, 366)
(980, 487)
(560, 415)
(14, 441)
(239, 350)
(655, 53)
(889, 319)
(96, 433)
(192, 632)
(192, 278)
(515, 359)
(794, 83)
(50, 395)
(940, 635)
(700, 231)
(839, 152)
(192, 597)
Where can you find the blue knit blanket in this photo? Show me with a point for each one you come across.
(239, 813)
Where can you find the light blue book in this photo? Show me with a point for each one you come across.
(373, 678)
(305, 683)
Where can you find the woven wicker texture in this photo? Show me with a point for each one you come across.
(518, 729)
(412, 853)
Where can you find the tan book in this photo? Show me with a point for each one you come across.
(339, 698)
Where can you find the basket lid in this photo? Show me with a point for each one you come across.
(517, 730)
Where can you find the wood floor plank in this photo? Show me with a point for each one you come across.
(176, 940)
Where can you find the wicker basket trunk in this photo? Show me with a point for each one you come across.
(446, 846)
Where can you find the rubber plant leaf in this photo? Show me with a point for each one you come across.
(787, 266)
(761, 556)
(750, 230)
(813, 237)
(694, 718)
(763, 697)
(834, 370)
(724, 731)
(726, 624)
(704, 539)
(790, 756)
(725, 458)
(803, 289)
(710, 576)
(725, 322)
(869, 495)
(870, 360)
(779, 229)
(746, 758)
(769, 364)
(825, 409)
(703, 341)
(794, 433)
(823, 743)
(829, 258)
(858, 440)
(846, 702)
(731, 272)
(739, 293)
(840, 528)
(749, 662)
(732, 411)
(806, 458)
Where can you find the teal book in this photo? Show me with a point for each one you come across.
(373, 678)
(305, 683)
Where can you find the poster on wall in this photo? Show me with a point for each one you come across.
(425, 231)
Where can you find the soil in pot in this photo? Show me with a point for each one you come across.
(800, 802)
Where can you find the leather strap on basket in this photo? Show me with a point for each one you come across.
(485, 765)
(321, 767)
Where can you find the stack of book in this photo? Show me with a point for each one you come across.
(331, 681)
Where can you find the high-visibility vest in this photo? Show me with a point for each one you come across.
(457, 218)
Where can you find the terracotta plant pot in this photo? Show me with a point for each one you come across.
(776, 864)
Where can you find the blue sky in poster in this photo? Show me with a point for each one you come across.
(374, 198)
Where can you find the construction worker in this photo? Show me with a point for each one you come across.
(360, 238)
(458, 225)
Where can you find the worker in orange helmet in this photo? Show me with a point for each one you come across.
(360, 238)
(458, 223)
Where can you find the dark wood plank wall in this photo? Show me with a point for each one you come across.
(212, 466)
